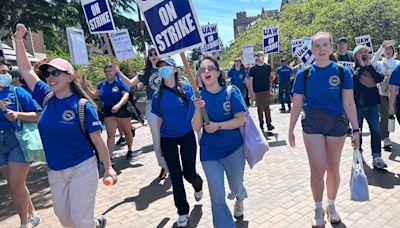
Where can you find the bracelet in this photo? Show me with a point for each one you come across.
(219, 126)
(356, 130)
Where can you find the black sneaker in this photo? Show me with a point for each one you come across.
(129, 155)
(262, 127)
(282, 109)
(120, 140)
(270, 127)
(101, 221)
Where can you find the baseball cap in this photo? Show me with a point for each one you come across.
(342, 39)
(259, 53)
(168, 60)
(359, 47)
(60, 64)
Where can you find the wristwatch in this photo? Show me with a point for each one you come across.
(356, 130)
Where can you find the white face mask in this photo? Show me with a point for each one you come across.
(5, 80)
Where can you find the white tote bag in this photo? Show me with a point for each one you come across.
(358, 180)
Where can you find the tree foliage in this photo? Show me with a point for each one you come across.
(349, 18)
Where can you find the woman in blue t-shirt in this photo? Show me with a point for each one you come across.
(328, 104)
(72, 166)
(238, 76)
(219, 157)
(116, 109)
(170, 104)
(12, 161)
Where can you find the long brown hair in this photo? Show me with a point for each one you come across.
(77, 89)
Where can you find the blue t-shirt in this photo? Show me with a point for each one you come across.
(395, 77)
(64, 143)
(111, 94)
(238, 77)
(174, 112)
(284, 74)
(221, 143)
(323, 88)
(27, 103)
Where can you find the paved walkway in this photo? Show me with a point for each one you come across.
(278, 188)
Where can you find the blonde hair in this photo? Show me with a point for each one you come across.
(325, 34)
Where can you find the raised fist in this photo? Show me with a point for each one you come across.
(21, 31)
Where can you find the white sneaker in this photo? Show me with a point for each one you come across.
(26, 226)
(387, 142)
(198, 195)
(182, 221)
(379, 163)
(332, 215)
(318, 221)
(238, 210)
(34, 219)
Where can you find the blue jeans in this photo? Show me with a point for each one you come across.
(284, 94)
(371, 114)
(233, 166)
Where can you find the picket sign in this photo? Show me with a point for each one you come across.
(174, 28)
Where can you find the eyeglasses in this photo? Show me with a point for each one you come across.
(54, 73)
(207, 69)
(153, 54)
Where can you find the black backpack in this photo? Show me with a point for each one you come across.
(306, 75)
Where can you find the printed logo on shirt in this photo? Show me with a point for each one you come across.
(240, 76)
(68, 115)
(96, 123)
(155, 81)
(115, 89)
(334, 80)
(227, 106)
(7, 101)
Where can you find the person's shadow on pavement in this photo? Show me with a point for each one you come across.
(381, 177)
(147, 195)
(395, 153)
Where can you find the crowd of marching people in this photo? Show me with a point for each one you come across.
(332, 99)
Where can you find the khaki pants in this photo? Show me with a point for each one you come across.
(262, 102)
(74, 192)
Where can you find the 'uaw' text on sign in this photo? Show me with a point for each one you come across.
(305, 54)
(98, 16)
(210, 33)
(296, 44)
(172, 25)
(365, 40)
(271, 39)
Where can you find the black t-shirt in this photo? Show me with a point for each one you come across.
(260, 75)
(348, 57)
(151, 81)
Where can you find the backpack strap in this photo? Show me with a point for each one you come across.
(306, 75)
(47, 98)
(341, 75)
(228, 92)
(81, 113)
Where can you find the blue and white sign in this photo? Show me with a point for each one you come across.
(365, 40)
(271, 39)
(305, 54)
(347, 64)
(296, 44)
(172, 25)
(122, 45)
(98, 16)
(77, 46)
(307, 41)
(210, 34)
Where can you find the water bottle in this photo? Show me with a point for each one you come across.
(108, 181)
(391, 123)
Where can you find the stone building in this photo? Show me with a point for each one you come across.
(242, 21)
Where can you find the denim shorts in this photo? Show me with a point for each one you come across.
(10, 150)
(316, 121)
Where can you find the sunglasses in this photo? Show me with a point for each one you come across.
(207, 69)
(54, 73)
(153, 54)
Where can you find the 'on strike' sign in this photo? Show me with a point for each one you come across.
(98, 16)
(172, 25)
(210, 33)
(271, 39)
